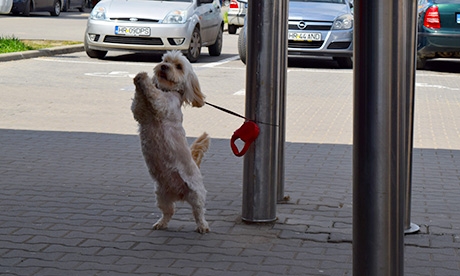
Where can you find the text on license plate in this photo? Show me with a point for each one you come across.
(304, 36)
(134, 31)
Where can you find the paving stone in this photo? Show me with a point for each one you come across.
(76, 201)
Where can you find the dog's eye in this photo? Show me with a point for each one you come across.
(179, 66)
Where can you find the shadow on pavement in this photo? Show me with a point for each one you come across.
(83, 203)
(443, 65)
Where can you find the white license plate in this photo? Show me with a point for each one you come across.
(133, 31)
(305, 36)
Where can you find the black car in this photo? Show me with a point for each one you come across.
(25, 7)
(74, 4)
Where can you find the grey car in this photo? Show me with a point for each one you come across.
(155, 26)
(317, 28)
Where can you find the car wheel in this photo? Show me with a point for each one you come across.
(344, 62)
(194, 50)
(82, 7)
(232, 29)
(94, 53)
(57, 8)
(421, 62)
(27, 8)
(242, 45)
(66, 6)
(216, 48)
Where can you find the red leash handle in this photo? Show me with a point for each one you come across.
(248, 133)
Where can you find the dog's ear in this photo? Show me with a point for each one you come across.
(193, 93)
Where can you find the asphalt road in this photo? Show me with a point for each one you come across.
(75, 93)
(40, 25)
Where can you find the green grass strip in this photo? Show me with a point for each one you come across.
(12, 44)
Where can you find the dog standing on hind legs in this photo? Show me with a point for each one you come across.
(171, 162)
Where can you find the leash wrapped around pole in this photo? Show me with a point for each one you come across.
(248, 132)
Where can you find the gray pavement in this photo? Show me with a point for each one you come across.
(77, 201)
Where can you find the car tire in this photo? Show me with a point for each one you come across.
(232, 29)
(344, 62)
(216, 49)
(27, 8)
(421, 62)
(194, 49)
(82, 8)
(94, 53)
(242, 46)
(57, 8)
(66, 6)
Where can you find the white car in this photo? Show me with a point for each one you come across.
(5, 6)
(236, 13)
(155, 26)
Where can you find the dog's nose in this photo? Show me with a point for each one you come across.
(164, 67)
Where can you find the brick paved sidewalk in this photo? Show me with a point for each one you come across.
(82, 204)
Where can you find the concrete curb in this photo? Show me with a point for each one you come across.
(50, 51)
(42, 52)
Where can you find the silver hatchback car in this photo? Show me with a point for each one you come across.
(155, 26)
(317, 28)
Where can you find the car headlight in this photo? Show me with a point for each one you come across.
(98, 13)
(175, 17)
(343, 22)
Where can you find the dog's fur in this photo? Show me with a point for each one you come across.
(172, 164)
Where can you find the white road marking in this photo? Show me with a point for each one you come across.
(241, 92)
(217, 63)
(419, 84)
(113, 74)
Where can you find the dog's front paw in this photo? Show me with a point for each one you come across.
(140, 80)
(140, 77)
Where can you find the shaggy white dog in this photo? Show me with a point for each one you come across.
(172, 164)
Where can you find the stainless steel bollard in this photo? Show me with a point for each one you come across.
(282, 65)
(263, 98)
(410, 21)
(383, 56)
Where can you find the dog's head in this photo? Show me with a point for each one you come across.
(175, 73)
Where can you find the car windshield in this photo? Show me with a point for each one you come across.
(321, 1)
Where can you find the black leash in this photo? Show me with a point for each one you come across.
(237, 115)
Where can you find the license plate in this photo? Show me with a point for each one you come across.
(133, 31)
(305, 36)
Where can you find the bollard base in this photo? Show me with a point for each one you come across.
(414, 228)
(245, 220)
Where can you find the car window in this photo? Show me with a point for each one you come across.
(322, 1)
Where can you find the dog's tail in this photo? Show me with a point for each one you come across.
(199, 147)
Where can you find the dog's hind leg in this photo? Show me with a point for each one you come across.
(197, 201)
(167, 208)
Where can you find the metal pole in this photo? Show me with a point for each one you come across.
(262, 103)
(283, 28)
(411, 49)
(379, 147)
